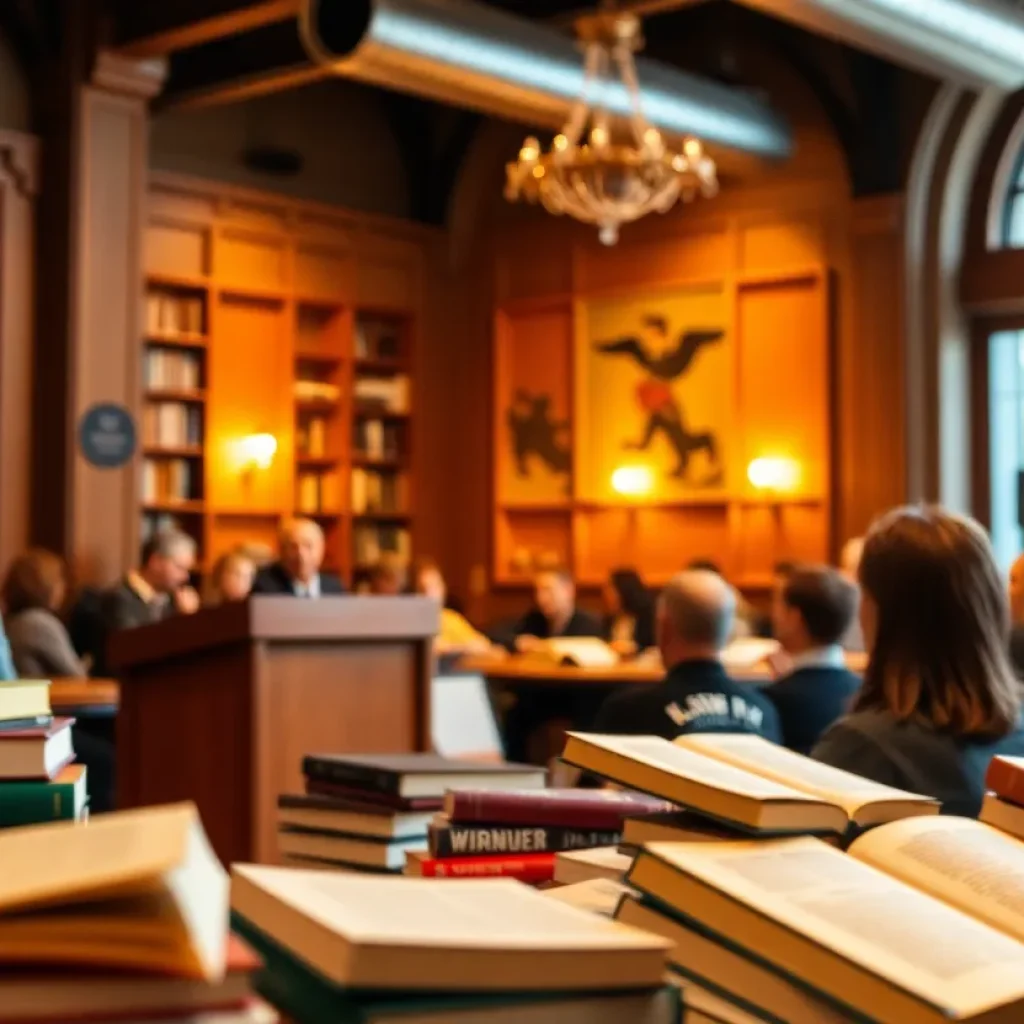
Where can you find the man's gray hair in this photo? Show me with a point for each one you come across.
(167, 543)
(700, 608)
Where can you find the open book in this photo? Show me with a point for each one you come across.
(745, 781)
(921, 921)
(138, 890)
(419, 934)
(580, 651)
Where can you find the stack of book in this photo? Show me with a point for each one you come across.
(126, 920)
(1003, 806)
(521, 834)
(342, 950)
(39, 781)
(367, 812)
(920, 920)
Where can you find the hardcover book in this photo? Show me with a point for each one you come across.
(744, 781)
(921, 921)
(1005, 777)
(463, 840)
(411, 934)
(135, 890)
(37, 753)
(413, 776)
(600, 809)
(533, 868)
(34, 802)
(352, 817)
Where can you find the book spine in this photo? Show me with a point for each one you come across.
(531, 867)
(1006, 781)
(502, 840)
(35, 803)
(526, 809)
(356, 775)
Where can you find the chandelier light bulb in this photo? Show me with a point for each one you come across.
(598, 179)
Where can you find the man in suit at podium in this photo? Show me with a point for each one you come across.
(298, 570)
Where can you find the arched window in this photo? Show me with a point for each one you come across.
(1013, 210)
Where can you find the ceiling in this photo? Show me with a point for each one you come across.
(227, 50)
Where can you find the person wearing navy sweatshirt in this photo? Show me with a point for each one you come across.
(812, 612)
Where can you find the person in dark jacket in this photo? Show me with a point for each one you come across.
(298, 571)
(812, 612)
(694, 623)
(554, 615)
(629, 626)
(939, 697)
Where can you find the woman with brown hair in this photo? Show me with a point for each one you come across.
(939, 698)
(32, 592)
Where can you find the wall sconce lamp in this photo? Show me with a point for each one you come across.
(258, 451)
(777, 475)
(633, 481)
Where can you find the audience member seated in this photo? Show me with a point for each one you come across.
(554, 615)
(554, 612)
(389, 577)
(849, 566)
(747, 621)
(939, 697)
(811, 614)
(1016, 593)
(33, 591)
(455, 634)
(694, 623)
(629, 626)
(231, 579)
(298, 571)
(157, 589)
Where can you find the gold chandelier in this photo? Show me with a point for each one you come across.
(588, 174)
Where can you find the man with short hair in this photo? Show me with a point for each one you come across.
(694, 623)
(297, 572)
(158, 588)
(812, 612)
(554, 613)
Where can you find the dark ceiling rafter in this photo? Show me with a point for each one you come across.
(158, 28)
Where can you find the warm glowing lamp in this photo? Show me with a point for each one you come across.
(633, 481)
(258, 451)
(774, 474)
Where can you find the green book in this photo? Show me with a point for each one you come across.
(36, 801)
(307, 997)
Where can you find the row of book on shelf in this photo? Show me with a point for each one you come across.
(165, 368)
(170, 479)
(170, 424)
(383, 394)
(174, 314)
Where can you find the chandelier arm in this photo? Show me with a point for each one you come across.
(577, 122)
(627, 70)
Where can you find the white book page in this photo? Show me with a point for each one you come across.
(961, 862)
(760, 756)
(863, 915)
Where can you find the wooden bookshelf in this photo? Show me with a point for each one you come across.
(289, 326)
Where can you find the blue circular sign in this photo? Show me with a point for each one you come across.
(106, 435)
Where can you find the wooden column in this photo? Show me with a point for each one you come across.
(90, 339)
(17, 228)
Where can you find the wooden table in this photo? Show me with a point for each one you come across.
(85, 698)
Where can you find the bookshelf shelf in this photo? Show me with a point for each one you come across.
(171, 452)
(180, 507)
(262, 317)
(174, 395)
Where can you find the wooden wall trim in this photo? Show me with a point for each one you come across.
(18, 176)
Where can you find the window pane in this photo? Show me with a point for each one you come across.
(1006, 440)
(1015, 221)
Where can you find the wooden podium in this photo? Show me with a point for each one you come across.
(220, 707)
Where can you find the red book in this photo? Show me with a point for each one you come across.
(1005, 778)
(598, 809)
(527, 867)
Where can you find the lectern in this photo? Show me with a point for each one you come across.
(220, 707)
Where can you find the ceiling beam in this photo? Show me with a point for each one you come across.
(158, 28)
